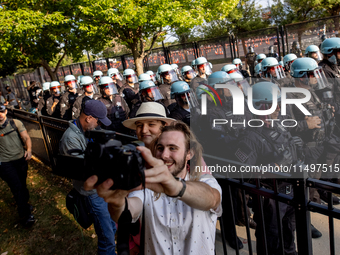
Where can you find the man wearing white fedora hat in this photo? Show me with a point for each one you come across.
(149, 119)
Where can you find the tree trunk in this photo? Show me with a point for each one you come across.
(139, 65)
(52, 74)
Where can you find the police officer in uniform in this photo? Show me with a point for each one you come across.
(271, 144)
(250, 60)
(96, 76)
(117, 108)
(116, 77)
(166, 77)
(238, 63)
(296, 49)
(203, 71)
(69, 97)
(130, 88)
(330, 48)
(43, 99)
(53, 102)
(314, 130)
(185, 101)
(148, 92)
(188, 74)
(313, 51)
(287, 62)
(89, 92)
(273, 72)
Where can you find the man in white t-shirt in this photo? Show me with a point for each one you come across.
(181, 205)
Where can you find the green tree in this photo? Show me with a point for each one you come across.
(42, 32)
(134, 23)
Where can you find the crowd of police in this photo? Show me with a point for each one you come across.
(314, 140)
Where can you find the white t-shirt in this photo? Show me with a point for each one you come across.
(173, 227)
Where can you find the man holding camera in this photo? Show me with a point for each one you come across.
(181, 205)
(93, 113)
(13, 163)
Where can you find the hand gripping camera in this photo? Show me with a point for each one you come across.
(108, 155)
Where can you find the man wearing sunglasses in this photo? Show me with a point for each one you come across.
(69, 97)
(117, 108)
(90, 92)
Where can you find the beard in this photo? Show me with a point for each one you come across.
(179, 166)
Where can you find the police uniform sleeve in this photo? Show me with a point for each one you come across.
(126, 107)
(64, 105)
(49, 104)
(41, 104)
(76, 108)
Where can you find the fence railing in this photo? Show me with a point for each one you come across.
(46, 133)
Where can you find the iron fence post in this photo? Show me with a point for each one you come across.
(278, 42)
(282, 33)
(302, 218)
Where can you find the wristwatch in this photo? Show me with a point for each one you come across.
(181, 193)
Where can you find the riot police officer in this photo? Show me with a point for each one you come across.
(89, 92)
(330, 48)
(231, 68)
(152, 75)
(271, 144)
(175, 68)
(117, 108)
(185, 101)
(53, 102)
(260, 57)
(188, 74)
(273, 72)
(130, 88)
(43, 99)
(313, 51)
(116, 77)
(148, 92)
(143, 77)
(287, 62)
(250, 60)
(203, 71)
(166, 77)
(96, 76)
(314, 130)
(296, 49)
(69, 97)
(238, 63)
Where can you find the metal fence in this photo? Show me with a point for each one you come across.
(46, 133)
(310, 32)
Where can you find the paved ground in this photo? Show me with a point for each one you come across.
(321, 245)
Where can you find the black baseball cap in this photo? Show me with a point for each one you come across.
(98, 110)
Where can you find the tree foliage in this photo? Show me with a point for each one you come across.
(135, 22)
(37, 33)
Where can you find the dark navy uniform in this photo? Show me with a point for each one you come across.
(66, 103)
(179, 113)
(271, 146)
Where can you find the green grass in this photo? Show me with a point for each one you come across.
(56, 231)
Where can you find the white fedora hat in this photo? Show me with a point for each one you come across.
(148, 111)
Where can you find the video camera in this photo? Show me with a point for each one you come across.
(108, 155)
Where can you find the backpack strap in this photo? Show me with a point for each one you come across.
(17, 130)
